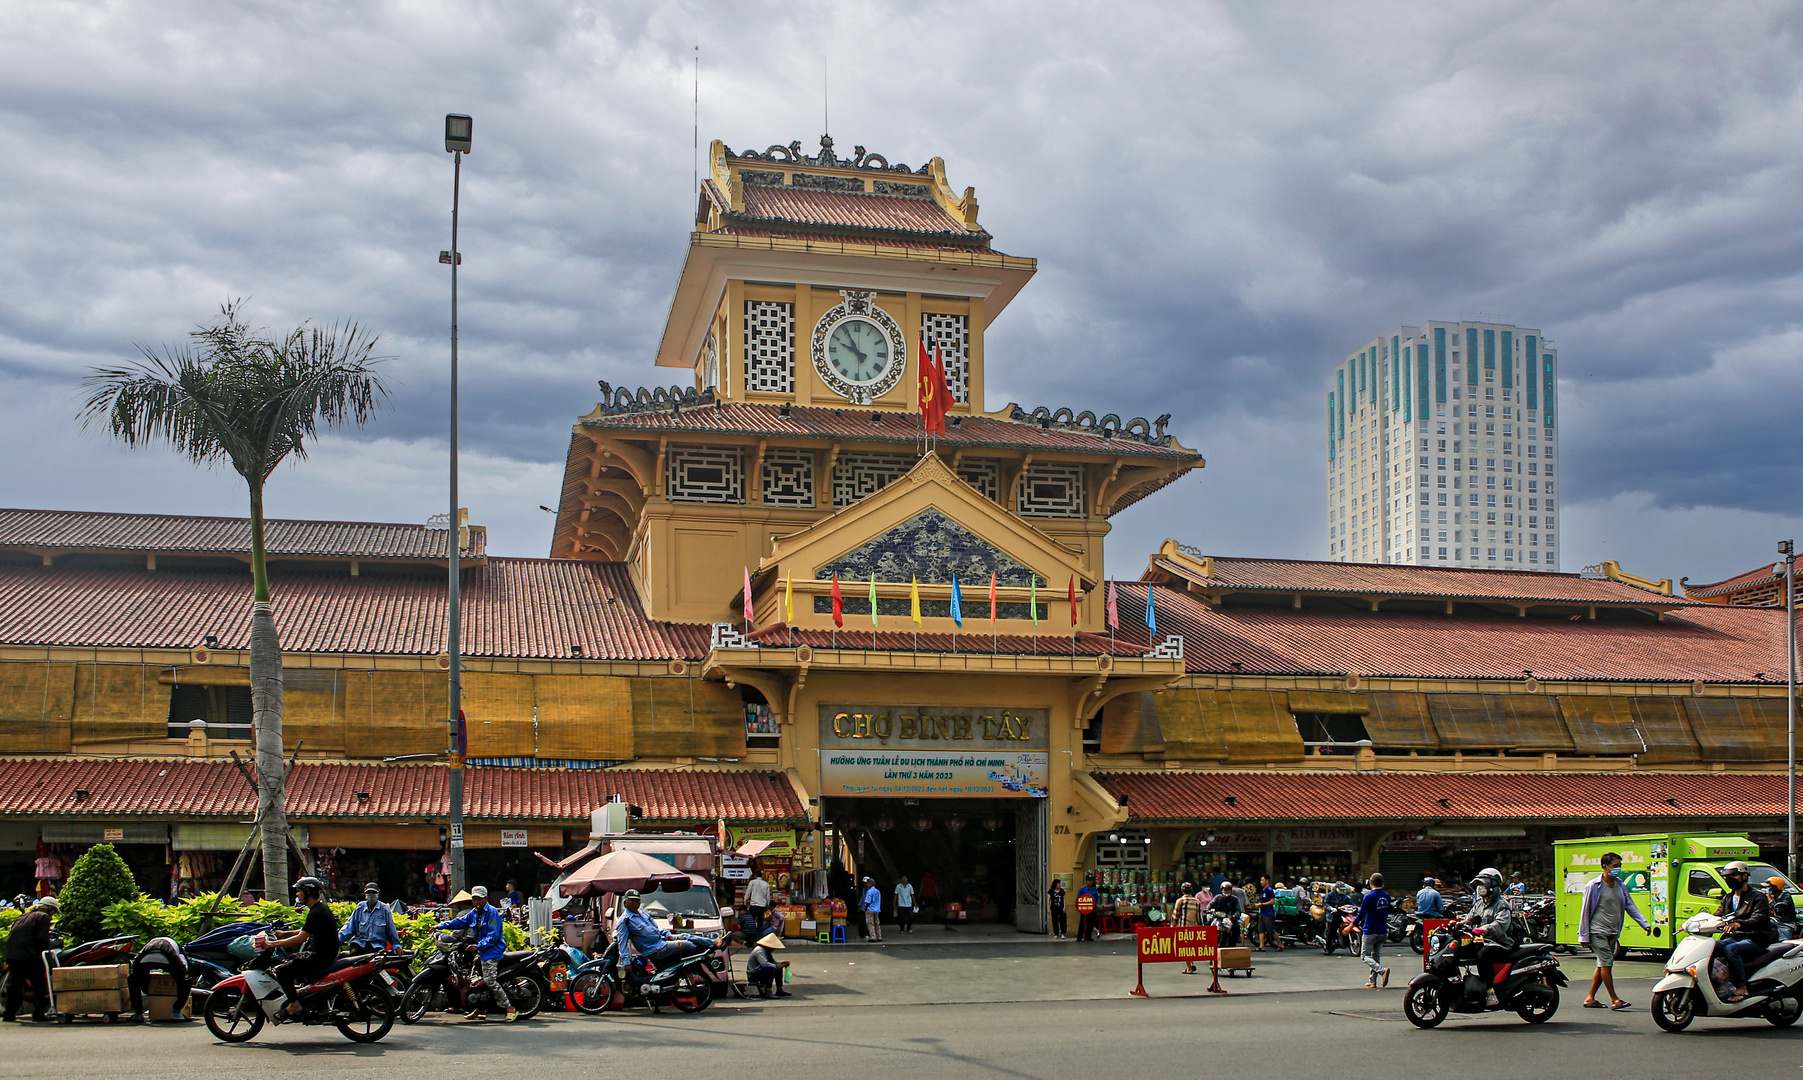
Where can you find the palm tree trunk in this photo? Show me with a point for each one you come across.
(266, 709)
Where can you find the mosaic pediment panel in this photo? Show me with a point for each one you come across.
(932, 547)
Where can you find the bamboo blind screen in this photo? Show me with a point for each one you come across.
(687, 717)
(1256, 725)
(498, 713)
(1130, 725)
(313, 710)
(1604, 725)
(1665, 724)
(587, 717)
(1400, 722)
(389, 713)
(1738, 729)
(1187, 732)
(1328, 701)
(36, 701)
(115, 702)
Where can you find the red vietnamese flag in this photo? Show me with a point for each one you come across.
(1073, 592)
(930, 390)
(838, 603)
(992, 600)
(943, 389)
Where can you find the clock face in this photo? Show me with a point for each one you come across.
(858, 349)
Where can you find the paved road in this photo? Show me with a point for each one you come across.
(1353, 1033)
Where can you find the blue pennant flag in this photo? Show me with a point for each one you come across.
(957, 603)
(1151, 616)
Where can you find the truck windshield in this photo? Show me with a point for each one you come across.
(1763, 873)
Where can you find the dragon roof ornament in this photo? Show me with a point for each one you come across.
(792, 155)
(620, 401)
(1107, 426)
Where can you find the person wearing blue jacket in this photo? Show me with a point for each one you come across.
(485, 922)
(371, 925)
(1374, 927)
(1428, 902)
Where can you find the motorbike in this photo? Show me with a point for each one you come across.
(1397, 928)
(113, 950)
(1689, 989)
(210, 960)
(1526, 982)
(1340, 928)
(349, 997)
(1538, 920)
(686, 983)
(450, 980)
(553, 970)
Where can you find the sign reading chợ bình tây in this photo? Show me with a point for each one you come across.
(930, 751)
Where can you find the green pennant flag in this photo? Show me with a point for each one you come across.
(1033, 599)
(873, 600)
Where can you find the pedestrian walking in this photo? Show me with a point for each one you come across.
(1086, 920)
(1267, 914)
(757, 895)
(1374, 927)
(873, 910)
(25, 947)
(1187, 911)
(1055, 901)
(1606, 902)
(904, 906)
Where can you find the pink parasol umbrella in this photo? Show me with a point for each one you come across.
(618, 871)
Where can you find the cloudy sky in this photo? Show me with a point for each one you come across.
(1224, 198)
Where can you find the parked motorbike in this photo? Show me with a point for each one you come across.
(557, 963)
(1539, 921)
(349, 997)
(450, 980)
(1340, 928)
(686, 983)
(1689, 989)
(1527, 982)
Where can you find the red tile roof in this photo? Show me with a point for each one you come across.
(1759, 575)
(88, 531)
(909, 242)
(527, 608)
(46, 788)
(1706, 642)
(1378, 580)
(903, 214)
(1416, 797)
(855, 425)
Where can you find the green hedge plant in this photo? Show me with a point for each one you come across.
(98, 880)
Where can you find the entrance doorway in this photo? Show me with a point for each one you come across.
(984, 855)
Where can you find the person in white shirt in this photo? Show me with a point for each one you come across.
(757, 896)
(905, 908)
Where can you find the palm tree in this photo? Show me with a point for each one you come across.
(242, 396)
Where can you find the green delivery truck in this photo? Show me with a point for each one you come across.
(1671, 877)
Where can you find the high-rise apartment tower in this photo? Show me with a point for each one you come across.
(1442, 449)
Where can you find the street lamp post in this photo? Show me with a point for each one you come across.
(1790, 704)
(457, 129)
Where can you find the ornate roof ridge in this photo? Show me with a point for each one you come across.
(623, 401)
(792, 155)
(1107, 426)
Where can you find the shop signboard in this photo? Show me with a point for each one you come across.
(511, 838)
(113, 836)
(1280, 840)
(933, 751)
(781, 839)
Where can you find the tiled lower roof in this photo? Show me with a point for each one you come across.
(1705, 642)
(180, 789)
(90, 531)
(975, 639)
(816, 208)
(525, 608)
(1412, 798)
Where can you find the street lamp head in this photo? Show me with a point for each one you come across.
(457, 133)
(1784, 547)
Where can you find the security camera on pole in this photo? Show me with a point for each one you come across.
(457, 129)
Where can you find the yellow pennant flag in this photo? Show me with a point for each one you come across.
(789, 601)
(914, 601)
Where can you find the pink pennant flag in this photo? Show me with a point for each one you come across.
(1114, 611)
(749, 616)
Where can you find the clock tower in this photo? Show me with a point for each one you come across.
(811, 284)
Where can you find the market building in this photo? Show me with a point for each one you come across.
(774, 604)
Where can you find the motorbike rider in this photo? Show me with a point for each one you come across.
(1784, 908)
(1428, 902)
(25, 948)
(1226, 907)
(1490, 914)
(319, 935)
(159, 954)
(1747, 928)
(490, 946)
(638, 935)
(372, 924)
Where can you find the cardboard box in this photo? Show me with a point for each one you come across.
(108, 977)
(1239, 959)
(92, 1001)
(161, 1007)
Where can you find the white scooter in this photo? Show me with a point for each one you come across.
(1774, 981)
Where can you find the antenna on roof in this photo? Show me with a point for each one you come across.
(826, 113)
(695, 148)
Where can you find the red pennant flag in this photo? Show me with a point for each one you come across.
(838, 603)
(749, 616)
(1114, 611)
(1073, 592)
(992, 599)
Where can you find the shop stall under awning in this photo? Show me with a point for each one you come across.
(1244, 798)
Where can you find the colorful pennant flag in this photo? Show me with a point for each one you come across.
(873, 600)
(957, 604)
(1032, 598)
(1073, 592)
(914, 600)
(838, 602)
(789, 600)
(1151, 615)
(1114, 611)
(992, 600)
(749, 616)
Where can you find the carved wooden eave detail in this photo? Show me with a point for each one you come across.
(616, 452)
(775, 687)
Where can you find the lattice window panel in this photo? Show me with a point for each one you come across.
(769, 346)
(713, 474)
(788, 478)
(1052, 489)
(985, 476)
(858, 475)
(951, 335)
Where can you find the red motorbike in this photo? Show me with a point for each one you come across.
(350, 996)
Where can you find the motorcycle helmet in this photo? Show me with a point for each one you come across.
(1776, 883)
(310, 884)
(1736, 874)
(1488, 879)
